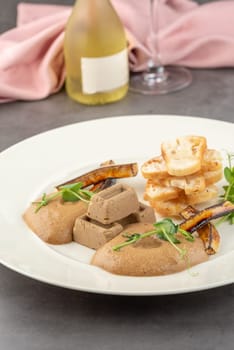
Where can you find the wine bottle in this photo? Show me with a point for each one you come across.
(96, 57)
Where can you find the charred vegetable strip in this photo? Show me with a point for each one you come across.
(102, 185)
(203, 217)
(111, 171)
(208, 233)
(105, 183)
(107, 162)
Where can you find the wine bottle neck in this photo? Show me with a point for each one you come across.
(92, 2)
(93, 8)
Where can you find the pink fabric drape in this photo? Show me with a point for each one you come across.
(31, 55)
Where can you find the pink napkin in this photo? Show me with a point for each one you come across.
(31, 55)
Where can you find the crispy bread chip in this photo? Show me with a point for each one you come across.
(158, 192)
(200, 197)
(185, 173)
(183, 156)
(155, 167)
(212, 160)
(169, 208)
(212, 177)
(190, 184)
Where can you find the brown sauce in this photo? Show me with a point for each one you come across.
(54, 222)
(148, 257)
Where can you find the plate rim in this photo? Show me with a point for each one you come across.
(112, 292)
(194, 117)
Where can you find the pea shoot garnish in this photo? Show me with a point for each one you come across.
(229, 188)
(68, 193)
(165, 229)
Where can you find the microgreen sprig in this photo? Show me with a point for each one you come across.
(228, 194)
(165, 229)
(69, 193)
(45, 200)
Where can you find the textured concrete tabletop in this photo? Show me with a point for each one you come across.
(36, 316)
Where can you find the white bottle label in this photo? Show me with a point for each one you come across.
(104, 73)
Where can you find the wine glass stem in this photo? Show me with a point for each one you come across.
(155, 72)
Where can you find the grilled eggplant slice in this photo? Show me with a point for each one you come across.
(103, 185)
(208, 233)
(110, 171)
(204, 216)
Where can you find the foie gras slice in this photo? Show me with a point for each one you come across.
(92, 234)
(145, 214)
(113, 204)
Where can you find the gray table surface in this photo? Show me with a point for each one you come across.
(36, 316)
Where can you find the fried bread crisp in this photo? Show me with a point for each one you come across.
(158, 192)
(169, 194)
(184, 155)
(155, 167)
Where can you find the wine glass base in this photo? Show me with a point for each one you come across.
(174, 78)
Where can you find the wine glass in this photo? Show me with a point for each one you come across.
(157, 79)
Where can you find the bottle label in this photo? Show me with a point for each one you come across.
(104, 74)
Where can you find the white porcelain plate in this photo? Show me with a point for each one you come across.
(37, 164)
